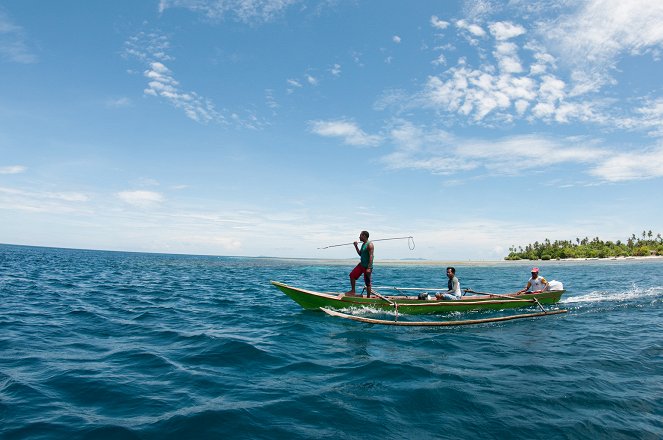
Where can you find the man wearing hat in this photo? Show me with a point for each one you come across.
(536, 283)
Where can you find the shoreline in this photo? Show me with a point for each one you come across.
(394, 262)
(378, 262)
(517, 262)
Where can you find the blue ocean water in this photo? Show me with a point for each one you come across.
(122, 345)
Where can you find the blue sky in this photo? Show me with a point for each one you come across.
(275, 127)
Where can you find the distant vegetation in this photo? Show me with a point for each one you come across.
(642, 246)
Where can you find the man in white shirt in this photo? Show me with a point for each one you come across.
(453, 286)
(536, 283)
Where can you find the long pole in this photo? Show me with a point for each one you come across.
(409, 238)
(497, 294)
(436, 323)
(533, 300)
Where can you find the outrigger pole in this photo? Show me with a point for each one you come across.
(533, 300)
(437, 323)
(410, 242)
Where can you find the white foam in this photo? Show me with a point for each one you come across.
(610, 296)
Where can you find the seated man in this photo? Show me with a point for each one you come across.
(536, 283)
(453, 285)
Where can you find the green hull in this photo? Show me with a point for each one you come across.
(311, 300)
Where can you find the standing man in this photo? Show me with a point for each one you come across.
(536, 283)
(365, 265)
(453, 285)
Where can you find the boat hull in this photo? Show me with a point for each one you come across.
(312, 300)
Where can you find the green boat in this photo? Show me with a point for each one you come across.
(312, 300)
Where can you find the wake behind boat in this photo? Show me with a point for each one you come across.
(312, 300)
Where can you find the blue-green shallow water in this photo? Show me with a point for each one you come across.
(120, 345)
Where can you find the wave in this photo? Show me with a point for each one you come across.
(634, 293)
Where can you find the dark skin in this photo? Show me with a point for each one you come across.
(363, 238)
(450, 275)
(535, 275)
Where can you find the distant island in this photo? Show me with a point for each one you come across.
(634, 246)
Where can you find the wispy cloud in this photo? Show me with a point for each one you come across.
(593, 36)
(247, 11)
(549, 72)
(12, 169)
(152, 50)
(437, 23)
(635, 165)
(41, 201)
(440, 152)
(349, 131)
(118, 102)
(504, 30)
(473, 28)
(13, 42)
(141, 198)
(505, 87)
(312, 80)
(162, 83)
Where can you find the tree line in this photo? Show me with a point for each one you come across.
(645, 245)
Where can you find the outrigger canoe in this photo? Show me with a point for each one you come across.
(312, 300)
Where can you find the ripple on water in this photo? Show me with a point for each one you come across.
(114, 345)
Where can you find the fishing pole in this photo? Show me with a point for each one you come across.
(410, 242)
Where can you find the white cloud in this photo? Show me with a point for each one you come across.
(504, 30)
(335, 70)
(294, 83)
(42, 201)
(472, 28)
(648, 116)
(441, 60)
(437, 23)
(150, 48)
(347, 130)
(517, 153)
(163, 84)
(270, 100)
(478, 93)
(440, 152)
(312, 80)
(521, 79)
(247, 11)
(13, 45)
(634, 165)
(68, 196)
(396, 39)
(508, 90)
(419, 149)
(140, 198)
(598, 31)
(118, 102)
(12, 169)
(507, 58)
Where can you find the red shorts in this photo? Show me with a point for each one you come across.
(358, 270)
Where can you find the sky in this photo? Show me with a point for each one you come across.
(277, 127)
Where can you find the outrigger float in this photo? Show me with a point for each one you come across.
(330, 303)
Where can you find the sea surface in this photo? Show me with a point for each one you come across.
(112, 345)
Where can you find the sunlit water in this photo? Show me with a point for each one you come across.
(119, 345)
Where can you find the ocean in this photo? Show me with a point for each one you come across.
(113, 345)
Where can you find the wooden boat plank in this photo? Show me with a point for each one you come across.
(312, 300)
